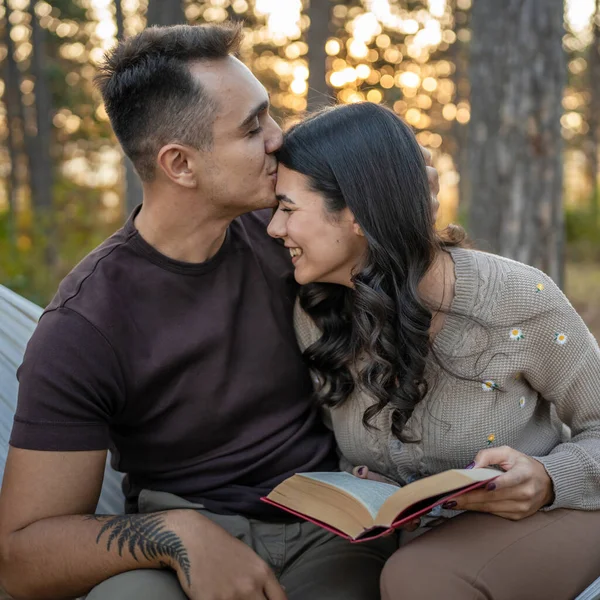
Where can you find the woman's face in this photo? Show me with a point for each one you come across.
(325, 247)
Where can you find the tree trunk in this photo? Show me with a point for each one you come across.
(517, 79)
(120, 21)
(459, 55)
(165, 12)
(12, 183)
(41, 169)
(14, 92)
(593, 142)
(133, 186)
(39, 164)
(12, 100)
(234, 16)
(319, 92)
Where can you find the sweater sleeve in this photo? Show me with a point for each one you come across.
(566, 372)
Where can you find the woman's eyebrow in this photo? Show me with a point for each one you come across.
(284, 198)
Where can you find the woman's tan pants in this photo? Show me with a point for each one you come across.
(549, 556)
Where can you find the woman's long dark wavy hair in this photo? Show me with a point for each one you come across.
(362, 156)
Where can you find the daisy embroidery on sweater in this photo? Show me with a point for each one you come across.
(539, 288)
(516, 334)
(560, 339)
(489, 385)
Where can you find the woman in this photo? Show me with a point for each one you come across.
(431, 356)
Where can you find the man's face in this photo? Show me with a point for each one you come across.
(238, 173)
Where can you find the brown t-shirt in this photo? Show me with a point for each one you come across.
(189, 373)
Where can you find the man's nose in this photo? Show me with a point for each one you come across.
(276, 227)
(274, 137)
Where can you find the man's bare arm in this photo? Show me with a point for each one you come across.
(52, 546)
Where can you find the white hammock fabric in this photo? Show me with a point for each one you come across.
(18, 318)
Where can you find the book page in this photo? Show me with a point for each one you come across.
(481, 474)
(371, 494)
(432, 488)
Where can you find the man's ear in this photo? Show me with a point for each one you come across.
(177, 163)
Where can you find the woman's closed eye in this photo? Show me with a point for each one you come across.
(285, 203)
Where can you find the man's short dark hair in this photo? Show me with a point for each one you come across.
(150, 95)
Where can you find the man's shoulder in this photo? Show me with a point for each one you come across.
(257, 218)
(89, 276)
(253, 228)
(254, 224)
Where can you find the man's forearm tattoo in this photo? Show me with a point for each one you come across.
(146, 535)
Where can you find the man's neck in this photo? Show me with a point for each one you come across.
(192, 236)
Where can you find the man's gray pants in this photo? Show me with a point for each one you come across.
(310, 562)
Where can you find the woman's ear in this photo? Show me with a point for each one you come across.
(357, 228)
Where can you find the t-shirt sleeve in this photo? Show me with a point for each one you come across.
(70, 386)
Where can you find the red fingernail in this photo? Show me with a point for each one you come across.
(449, 505)
(490, 487)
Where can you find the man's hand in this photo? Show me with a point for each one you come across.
(434, 181)
(218, 565)
(514, 495)
(363, 473)
(52, 546)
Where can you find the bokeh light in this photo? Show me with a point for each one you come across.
(403, 55)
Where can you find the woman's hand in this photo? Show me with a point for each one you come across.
(521, 491)
(363, 473)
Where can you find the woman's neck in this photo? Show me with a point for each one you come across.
(437, 289)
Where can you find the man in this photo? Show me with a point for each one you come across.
(172, 344)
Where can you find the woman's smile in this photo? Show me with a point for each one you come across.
(295, 253)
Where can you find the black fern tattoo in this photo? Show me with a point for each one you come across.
(144, 534)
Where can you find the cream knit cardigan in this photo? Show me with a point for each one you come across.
(533, 367)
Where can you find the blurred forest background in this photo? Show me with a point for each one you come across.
(506, 94)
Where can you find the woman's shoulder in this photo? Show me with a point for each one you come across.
(307, 331)
(519, 276)
(522, 291)
(482, 261)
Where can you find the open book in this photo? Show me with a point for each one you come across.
(362, 509)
